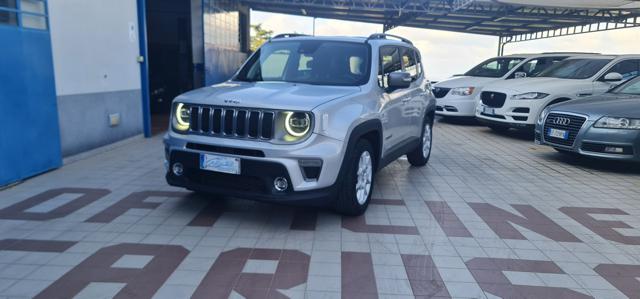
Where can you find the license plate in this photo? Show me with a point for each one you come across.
(220, 163)
(488, 110)
(562, 134)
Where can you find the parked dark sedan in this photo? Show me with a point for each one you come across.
(606, 126)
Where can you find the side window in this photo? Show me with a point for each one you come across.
(389, 63)
(534, 67)
(409, 63)
(627, 68)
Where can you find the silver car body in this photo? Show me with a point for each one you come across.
(587, 139)
(337, 111)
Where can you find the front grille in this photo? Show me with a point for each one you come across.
(572, 126)
(493, 99)
(440, 92)
(232, 122)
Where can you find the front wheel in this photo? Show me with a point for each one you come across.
(421, 154)
(357, 184)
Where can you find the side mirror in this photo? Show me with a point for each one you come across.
(399, 80)
(612, 77)
(518, 75)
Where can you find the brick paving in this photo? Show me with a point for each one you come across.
(491, 216)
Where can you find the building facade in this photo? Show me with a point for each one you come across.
(79, 74)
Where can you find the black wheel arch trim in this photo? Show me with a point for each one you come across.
(362, 129)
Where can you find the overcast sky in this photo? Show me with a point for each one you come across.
(447, 53)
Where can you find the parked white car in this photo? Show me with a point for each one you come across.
(457, 96)
(518, 103)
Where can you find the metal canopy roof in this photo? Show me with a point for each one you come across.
(512, 20)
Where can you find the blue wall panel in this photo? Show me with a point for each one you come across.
(29, 130)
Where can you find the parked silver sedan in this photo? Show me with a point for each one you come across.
(606, 126)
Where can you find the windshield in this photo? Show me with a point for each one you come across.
(575, 68)
(631, 87)
(494, 68)
(311, 62)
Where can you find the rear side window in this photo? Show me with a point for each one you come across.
(535, 66)
(409, 63)
(390, 62)
(627, 68)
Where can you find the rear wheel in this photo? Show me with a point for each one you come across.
(356, 185)
(420, 156)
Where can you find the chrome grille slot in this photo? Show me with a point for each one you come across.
(216, 127)
(228, 121)
(254, 119)
(241, 123)
(232, 122)
(205, 121)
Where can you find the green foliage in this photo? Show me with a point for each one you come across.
(259, 36)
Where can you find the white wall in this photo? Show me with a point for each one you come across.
(93, 48)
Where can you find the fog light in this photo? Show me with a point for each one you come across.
(614, 150)
(280, 184)
(177, 169)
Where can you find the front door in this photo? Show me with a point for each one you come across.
(29, 129)
(391, 106)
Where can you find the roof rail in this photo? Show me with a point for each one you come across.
(287, 35)
(385, 36)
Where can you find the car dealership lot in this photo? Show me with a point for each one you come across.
(491, 215)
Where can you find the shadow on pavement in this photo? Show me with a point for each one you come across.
(464, 121)
(595, 164)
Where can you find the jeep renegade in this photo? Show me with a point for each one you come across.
(305, 120)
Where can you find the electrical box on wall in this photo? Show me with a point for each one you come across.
(114, 119)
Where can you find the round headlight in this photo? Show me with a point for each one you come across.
(297, 124)
(182, 117)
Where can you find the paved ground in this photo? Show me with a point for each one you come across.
(491, 216)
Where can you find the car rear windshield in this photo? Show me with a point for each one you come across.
(575, 68)
(495, 67)
(631, 87)
(310, 62)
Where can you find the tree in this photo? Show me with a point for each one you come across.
(259, 36)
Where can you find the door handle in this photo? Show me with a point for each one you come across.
(406, 100)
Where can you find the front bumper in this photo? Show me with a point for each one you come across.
(593, 142)
(255, 181)
(261, 162)
(456, 106)
(514, 113)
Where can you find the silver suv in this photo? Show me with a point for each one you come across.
(305, 120)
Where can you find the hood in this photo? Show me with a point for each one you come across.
(267, 95)
(605, 105)
(466, 81)
(523, 85)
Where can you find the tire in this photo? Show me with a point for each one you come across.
(351, 200)
(421, 154)
(499, 129)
